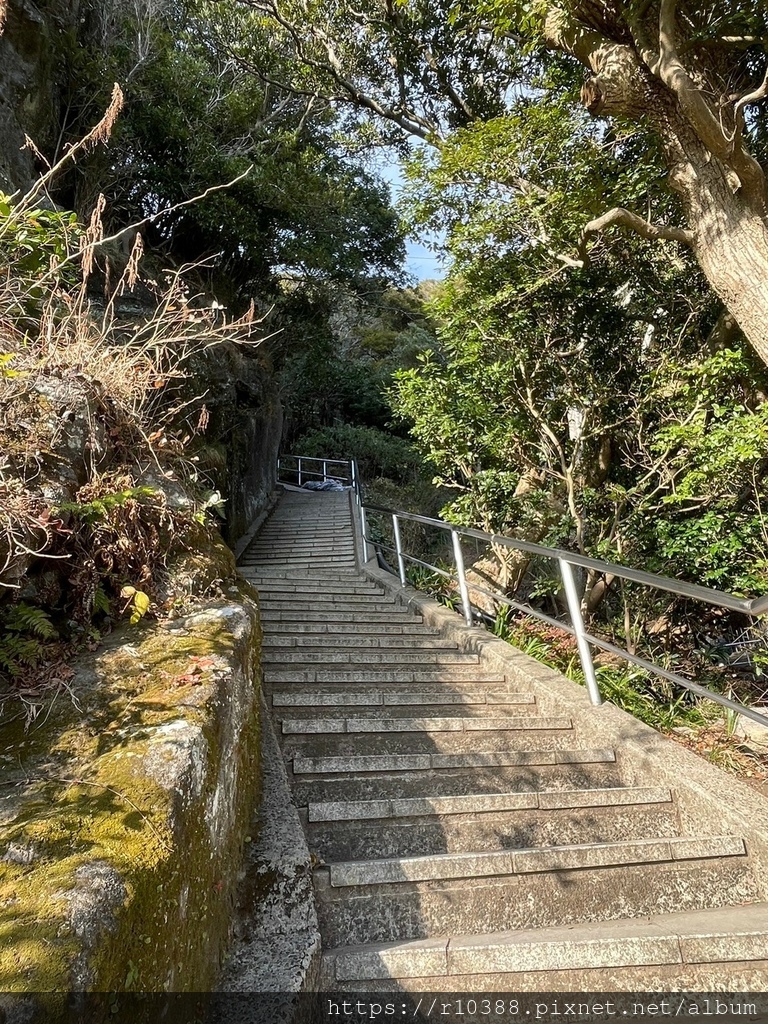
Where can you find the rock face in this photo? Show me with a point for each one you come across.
(244, 432)
(28, 86)
(123, 817)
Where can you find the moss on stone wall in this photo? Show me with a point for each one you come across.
(122, 816)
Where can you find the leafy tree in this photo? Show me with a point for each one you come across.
(296, 208)
(686, 80)
(613, 411)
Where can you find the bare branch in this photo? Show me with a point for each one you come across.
(619, 217)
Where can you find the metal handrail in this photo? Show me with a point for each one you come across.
(324, 474)
(567, 560)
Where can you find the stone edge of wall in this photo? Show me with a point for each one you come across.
(278, 948)
(709, 800)
(240, 545)
(124, 863)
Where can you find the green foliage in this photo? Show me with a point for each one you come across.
(23, 632)
(34, 242)
(138, 602)
(297, 208)
(24, 618)
(435, 584)
(379, 454)
(92, 512)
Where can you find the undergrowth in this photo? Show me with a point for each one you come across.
(702, 725)
(98, 491)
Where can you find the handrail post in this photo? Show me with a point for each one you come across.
(585, 652)
(299, 471)
(364, 529)
(325, 471)
(458, 557)
(399, 550)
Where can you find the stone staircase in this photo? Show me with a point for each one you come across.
(467, 835)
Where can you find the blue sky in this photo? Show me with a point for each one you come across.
(421, 260)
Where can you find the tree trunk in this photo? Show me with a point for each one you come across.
(731, 245)
(722, 187)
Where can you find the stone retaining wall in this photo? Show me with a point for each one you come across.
(124, 809)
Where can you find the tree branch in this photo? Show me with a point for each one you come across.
(706, 124)
(738, 111)
(619, 217)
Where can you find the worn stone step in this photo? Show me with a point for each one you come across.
(309, 562)
(352, 631)
(355, 765)
(398, 719)
(516, 961)
(305, 558)
(319, 599)
(300, 539)
(397, 674)
(319, 576)
(419, 897)
(303, 659)
(333, 615)
(390, 785)
(338, 527)
(486, 803)
(446, 743)
(404, 701)
(371, 725)
(299, 587)
(484, 824)
(296, 547)
(342, 642)
(319, 604)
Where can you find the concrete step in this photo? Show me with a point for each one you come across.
(418, 897)
(443, 744)
(576, 958)
(486, 803)
(496, 759)
(514, 822)
(375, 656)
(300, 587)
(294, 546)
(320, 576)
(334, 616)
(320, 605)
(302, 558)
(404, 721)
(384, 785)
(372, 726)
(403, 701)
(352, 631)
(310, 562)
(319, 599)
(318, 646)
(398, 674)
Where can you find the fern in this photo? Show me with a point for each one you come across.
(101, 602)
(24, 618)
(93, 511)
(17, 651)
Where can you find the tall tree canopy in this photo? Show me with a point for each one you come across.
(688, 79)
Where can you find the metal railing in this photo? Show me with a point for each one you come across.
(298, 465)
(567, 561)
